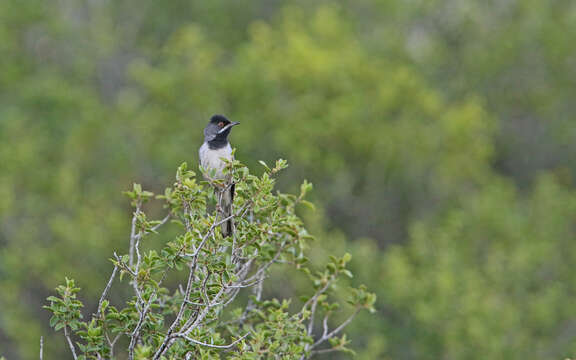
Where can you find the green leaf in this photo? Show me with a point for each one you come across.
(53, 321)
(264, 164)
(308, 204)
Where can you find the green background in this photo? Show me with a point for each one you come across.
(439, 134)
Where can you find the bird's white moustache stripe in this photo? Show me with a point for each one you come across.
(227, 127)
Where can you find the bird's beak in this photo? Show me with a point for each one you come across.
(228, 126)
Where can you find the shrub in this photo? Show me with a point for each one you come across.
(201, 294)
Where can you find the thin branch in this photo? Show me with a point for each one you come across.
(70, 344)
(325, 325)
(313, 303)
(312, 316)
(41, 347)
(240, 286)
(320, 292)
(111, 343)
(133, 234)
(187, 328)
(240, 274)
(203, 287)
(191, 275)
(168, 338)
(257, 291)
(263, 268)
(228, 290)
(106, 289)
(140, 306)
(186, 216)
(232, 297)
(216, 346)
(123, 266)
(137, 270)
(155, 227)
(206, 236)
(200, 304)
(186, 299)
(136, 333)
(337, 330)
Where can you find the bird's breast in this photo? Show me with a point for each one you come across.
(211, 159)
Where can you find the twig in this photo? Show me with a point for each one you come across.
(229, 291)
(232, 297)
(263, 268)
(337, 330)
(123, 266)
(187, 328)
(257, 291)
(200, 304)
(106, 289)
(186, 214)
(191, 325)
(312, 316)
(111, 343)
(181, 310)
(216, 346)
(313, 301)
(137, 270)
(70, 344)
(155, 227)
(240, 286)
(322, 291)
(136, 333)
(203, 287)
(133, 234)
(325, 325)
(41, 347)
(168, 338)
(140, 306)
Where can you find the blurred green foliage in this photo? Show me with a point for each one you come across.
(438, 134)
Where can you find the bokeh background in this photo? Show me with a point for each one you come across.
(439, 134)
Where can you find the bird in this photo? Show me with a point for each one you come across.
(212, 153)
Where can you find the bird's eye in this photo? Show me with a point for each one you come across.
(220, 124)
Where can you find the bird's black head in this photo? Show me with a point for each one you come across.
(217, 131)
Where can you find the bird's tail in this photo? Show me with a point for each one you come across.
(226, 208)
